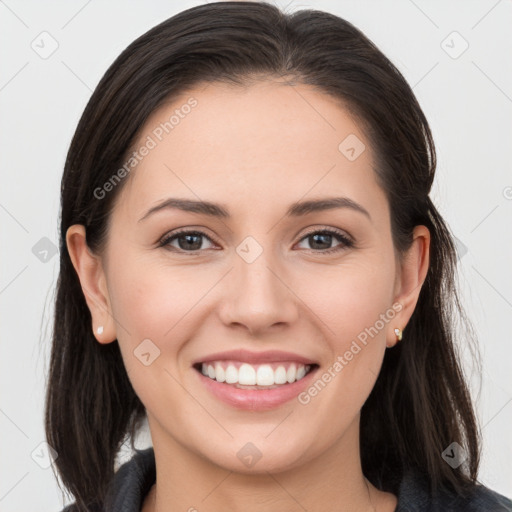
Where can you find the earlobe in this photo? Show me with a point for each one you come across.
(89, 269)
(412, 273)
(398, 337)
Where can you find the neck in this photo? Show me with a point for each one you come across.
(332, 481)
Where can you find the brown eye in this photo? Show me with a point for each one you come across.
(188, 241)
(320, 241)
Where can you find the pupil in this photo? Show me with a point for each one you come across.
(322, 235)
(190, 243)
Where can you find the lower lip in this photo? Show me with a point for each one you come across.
(256, 399)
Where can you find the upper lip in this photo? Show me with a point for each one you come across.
(269, 356)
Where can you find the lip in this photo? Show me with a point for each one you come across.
(246, 356)
(256, 399)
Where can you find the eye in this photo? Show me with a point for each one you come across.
(188, 241)
(325, 237)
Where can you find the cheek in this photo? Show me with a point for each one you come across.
(350, 298)
(151, 306)
(149, 300)
(354, 304)
(160, 303)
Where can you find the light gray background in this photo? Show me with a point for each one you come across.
(468, 101)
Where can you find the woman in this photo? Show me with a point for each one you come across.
(250, 259)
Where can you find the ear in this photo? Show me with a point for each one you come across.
(89, 268)
(411, 275)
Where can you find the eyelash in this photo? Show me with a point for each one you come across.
(346, 241)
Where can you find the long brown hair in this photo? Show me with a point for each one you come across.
(420, 403)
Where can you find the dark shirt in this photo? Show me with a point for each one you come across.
(134, 479)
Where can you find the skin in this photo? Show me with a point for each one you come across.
(256, 150)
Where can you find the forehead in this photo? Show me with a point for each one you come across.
(255, 145)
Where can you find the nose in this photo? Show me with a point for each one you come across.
(257, 295)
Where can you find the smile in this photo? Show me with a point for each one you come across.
(255, 376)
(288, 379)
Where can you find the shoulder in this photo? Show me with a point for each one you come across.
(414, 496)
(130, 484)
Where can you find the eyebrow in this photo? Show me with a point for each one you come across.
(295, 210)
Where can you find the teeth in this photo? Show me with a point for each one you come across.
(255, 375)
(280, 375)
(265, 375)
(247, 375)
(231, 375)
(220, 374)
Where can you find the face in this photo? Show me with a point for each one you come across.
(322, 286)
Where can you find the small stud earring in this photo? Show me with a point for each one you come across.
(398, 333)
(99, 330)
